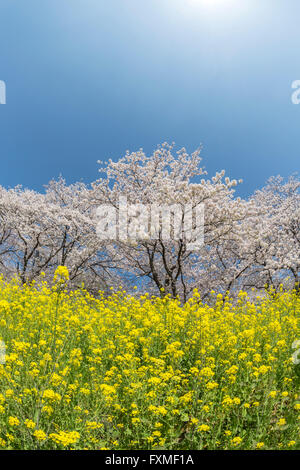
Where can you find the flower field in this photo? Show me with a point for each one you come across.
(146, 373)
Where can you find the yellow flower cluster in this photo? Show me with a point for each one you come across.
(123, 372)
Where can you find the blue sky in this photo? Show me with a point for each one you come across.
(89, 79)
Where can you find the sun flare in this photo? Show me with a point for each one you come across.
(211, 3)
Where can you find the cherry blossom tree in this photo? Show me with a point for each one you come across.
(170, 179)
(275, 241)
(154, 241)
(41, 231)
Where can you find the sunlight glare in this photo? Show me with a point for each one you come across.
(211, 3)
